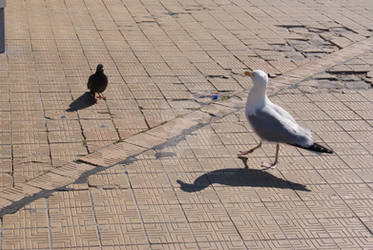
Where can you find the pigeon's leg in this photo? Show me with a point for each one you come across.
(101, 96)
(243, 153)
(270, 165)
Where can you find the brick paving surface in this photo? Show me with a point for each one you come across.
(155, 166)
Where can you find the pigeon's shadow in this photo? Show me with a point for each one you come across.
(240, 177)
(82, 102)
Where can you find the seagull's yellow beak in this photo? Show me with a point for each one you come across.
(247, 73)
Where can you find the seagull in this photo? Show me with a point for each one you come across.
(97, 83)
(273, 123)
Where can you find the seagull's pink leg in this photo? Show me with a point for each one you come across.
(243, 153)
(270, 165)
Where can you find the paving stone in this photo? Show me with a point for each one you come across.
(112, 154)
(77, 236)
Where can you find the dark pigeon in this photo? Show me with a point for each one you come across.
(97, 83)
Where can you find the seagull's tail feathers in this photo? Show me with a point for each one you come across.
(317, 148)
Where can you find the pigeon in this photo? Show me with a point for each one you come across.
(97, 83)
(273, 123)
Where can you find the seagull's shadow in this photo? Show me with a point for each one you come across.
(239, 177)
(82, 102)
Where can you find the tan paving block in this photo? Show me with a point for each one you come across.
(62, 199)
(181, 165)
(93, 114)
(54, 114)
(362, 208)
(73, 216)
(277, 194)
(289, 210)
(77, 236)
(18, 192)
(123, 214)
(145, 140)
(62, 150)
(179, 245)
(149, 180)
(177, 126)
(270, 244)
(168, 233)
(358, 242)
(122, 235)
(330, 209)
(302, 228)
(161, 214)
(303, 176)
(111, 197)
(313, 243)
(340, 176)
(353, 191)
(5, 181)
(65, 124)
(164, 196)
(26, 218)
(25, 238)
(205, 212)
(38, 152)
(28, 126)
(29, 137)
(135, 124)
(257, 228)
(65, 136)
(73, 170)
(217, 110)
(101, 134)
(352, 148)
(362, 136)
(196, 195)
(4, 203)
(158, 117)
(108, 181)
(214, 231)
(345, 227)
(50, 181)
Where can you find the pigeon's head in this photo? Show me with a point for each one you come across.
(100, 68)
(259, 77)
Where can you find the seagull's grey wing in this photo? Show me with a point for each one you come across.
(271, 126)
(282, 112)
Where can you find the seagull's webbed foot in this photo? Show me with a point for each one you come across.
(269, 165)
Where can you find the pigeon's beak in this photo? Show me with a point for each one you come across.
(247, 73)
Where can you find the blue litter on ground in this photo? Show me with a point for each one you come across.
(214, 96)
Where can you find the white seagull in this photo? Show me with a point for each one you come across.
(273, 123)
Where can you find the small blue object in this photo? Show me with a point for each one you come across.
(63, 116)
(170, 13)
(214, 96)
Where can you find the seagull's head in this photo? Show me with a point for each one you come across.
(259, 77)
(100, 68)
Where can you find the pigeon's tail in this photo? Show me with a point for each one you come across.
(317, 148)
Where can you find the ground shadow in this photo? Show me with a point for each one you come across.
(82, 102)
(240, 177)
